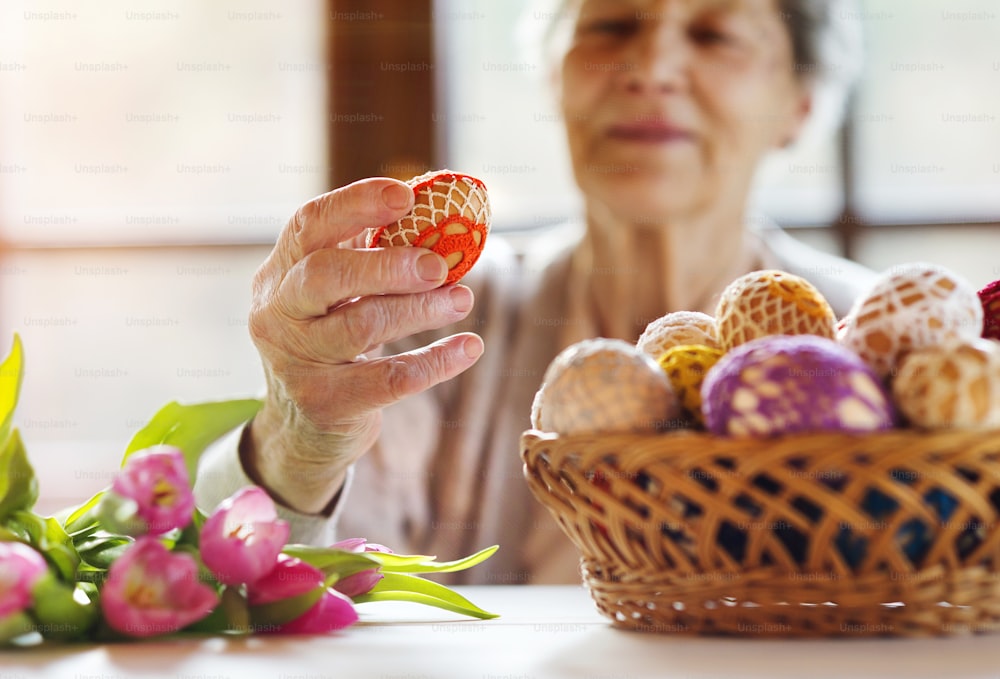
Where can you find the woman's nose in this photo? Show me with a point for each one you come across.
(657, 60)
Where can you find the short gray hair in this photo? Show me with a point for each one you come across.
(827, 54)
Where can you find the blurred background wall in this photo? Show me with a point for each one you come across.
(150, 153)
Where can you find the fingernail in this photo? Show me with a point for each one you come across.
(396, 197)
(473, 347)
(431, 267)
(461, 298)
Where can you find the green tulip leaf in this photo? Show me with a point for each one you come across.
(192, 428)
(402, 587)
(332, 560)
(191, 535)
(100, 551)
(234, 605)
(393, 563)
(11, 376)
(18, 485)
(14, 626)
(62, 611)
(47, 537)
(81, 521)
(213, 623)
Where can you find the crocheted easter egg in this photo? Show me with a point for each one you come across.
(675, 329)
(686, 366)
(536, 408)
(953, 385)
(771, 302)
(990, 299)
(451, 216)
(911, 307)
(783, 384)
(604, 385)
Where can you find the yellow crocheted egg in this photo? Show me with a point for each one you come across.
(953, 385)
(675, 329)
(771, 302)
(685, 366)
(911, 307)
(604, 385)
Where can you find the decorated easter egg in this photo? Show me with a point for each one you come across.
(911, 307)
(536, 408)
(675, 329)
(451, 216)
(782, 384)
(990, 299)
(951, 385)
(771, 302)
(686, 366)
(604, 385)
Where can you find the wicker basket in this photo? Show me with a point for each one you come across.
(891, 534)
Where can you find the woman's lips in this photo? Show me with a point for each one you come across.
(650, 133)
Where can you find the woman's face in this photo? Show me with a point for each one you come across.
(670, 104)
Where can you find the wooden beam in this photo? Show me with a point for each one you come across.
(381, 89)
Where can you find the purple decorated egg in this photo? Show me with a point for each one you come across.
(793, 383)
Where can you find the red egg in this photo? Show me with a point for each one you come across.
(990, 297)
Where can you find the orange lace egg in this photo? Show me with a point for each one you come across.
(451, 216)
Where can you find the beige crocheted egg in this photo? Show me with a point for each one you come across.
(911, 307)
(676, 329)
(536, 408)
(954, 385)
(604, 385)
(685, 366)
(451, 216)
(771, 302)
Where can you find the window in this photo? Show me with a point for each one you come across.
(142, 124)
(180, 121)
(927, 120)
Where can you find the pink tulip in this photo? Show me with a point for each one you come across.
(290, 577)
(241, 540)
(150, 591)
(157, 481)
(20, 568)
(359, 583)
(332, 612)
(293, 577)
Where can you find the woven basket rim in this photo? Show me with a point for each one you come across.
(643, 580)
(687, 436)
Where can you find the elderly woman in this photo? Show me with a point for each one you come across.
(384, 418)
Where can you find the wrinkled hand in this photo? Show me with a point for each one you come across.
(321, 302)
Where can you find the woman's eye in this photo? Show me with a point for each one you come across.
(612, 27)
(704, 35)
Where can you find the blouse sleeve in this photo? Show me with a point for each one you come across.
(221, 474)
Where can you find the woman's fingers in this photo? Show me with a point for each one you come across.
(392, 378)
(337, 216)
(334, 399)
(326, 278)
(356, 328)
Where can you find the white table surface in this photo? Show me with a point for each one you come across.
(543, 633)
